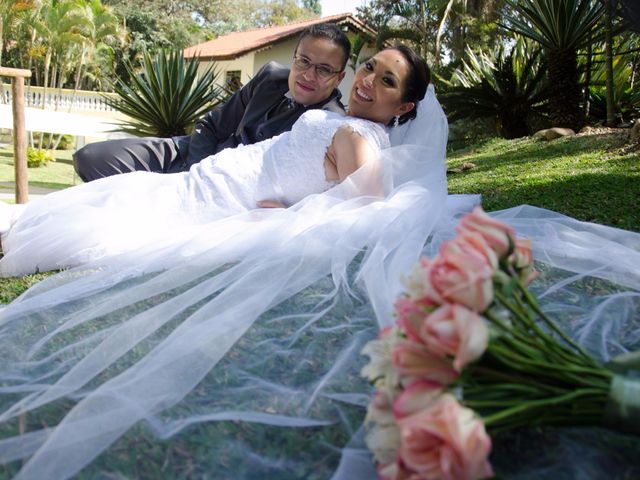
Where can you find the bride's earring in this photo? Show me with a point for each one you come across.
(396, 120)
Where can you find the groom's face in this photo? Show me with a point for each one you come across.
(312, 85)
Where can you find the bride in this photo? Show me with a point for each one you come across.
(124, 213)
(229, 346)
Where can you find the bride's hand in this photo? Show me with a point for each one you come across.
(270, 204)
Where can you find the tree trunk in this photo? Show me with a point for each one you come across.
(608, 58)
(587, 81)
(1, 41)
(565, 90)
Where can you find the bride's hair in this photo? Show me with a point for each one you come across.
(417, 82)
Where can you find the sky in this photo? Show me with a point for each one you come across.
(331, 7)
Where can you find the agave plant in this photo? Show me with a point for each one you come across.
(506, 85)
(561, 27)
(167, 97)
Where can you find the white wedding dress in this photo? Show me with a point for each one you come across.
(128, 212)
(231, 348)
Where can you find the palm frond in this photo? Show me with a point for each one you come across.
(167, 97)
(556, 24)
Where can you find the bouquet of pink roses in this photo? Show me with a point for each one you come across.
(472, 352)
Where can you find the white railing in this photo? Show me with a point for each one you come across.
(61, 99)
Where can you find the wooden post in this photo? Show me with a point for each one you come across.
(19, 131)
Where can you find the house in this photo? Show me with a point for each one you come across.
(238, 56)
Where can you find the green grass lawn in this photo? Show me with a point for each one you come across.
(54, 175)
(595, 178)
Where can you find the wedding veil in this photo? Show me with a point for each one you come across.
(240, 340)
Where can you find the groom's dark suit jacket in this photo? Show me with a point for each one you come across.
(257, 111)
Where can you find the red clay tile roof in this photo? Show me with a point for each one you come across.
(237, 44)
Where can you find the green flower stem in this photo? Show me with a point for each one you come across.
(500, 351)
(520, 409)
(516, 379)
(564, 353)
(551, 324)
(561, 352)
(541, 334)
(525, 340)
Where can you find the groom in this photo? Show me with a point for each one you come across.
(265, 107)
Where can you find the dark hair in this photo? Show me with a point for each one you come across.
(332, 33)
(417, 82)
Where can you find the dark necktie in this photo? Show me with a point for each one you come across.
(286, 105)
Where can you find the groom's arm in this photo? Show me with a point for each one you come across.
(218, 125)
(215, 130)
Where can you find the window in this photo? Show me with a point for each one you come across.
(232, 80)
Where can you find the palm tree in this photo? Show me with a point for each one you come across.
(507, 86)
(103, 29)
(59, 25)
(11, 12)
(460, 20)
(561, 27)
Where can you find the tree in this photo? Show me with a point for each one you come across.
(312, 6)
(102, 31)
(608, 59)
(508, 86)
(12, 12)
(281, 12)
(465, 22)
(59, 25)
(434, 27)
(561, 27)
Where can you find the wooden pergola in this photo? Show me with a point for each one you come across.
(17, 76)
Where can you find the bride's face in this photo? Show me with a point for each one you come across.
(378, 88)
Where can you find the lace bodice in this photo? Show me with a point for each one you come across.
(286, 168)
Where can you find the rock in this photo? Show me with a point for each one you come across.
(540, 134)
(553, 133)
(634, 133)
(556, 132)
(468, 166)
(464, 167)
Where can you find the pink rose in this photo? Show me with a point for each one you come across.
(461, 274)
(417, 396)
(455, 331)
(445, 441)
(411, 316)
(498, 235)
(413, 360)
(522, 260)
(476, 243)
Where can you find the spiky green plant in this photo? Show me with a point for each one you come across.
(167, 97)
(561, 27)
(508, 86)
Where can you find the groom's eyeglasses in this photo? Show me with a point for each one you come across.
(323, 71)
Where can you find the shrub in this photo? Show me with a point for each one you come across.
(167, 96)
(52, 141)
(38, 158)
